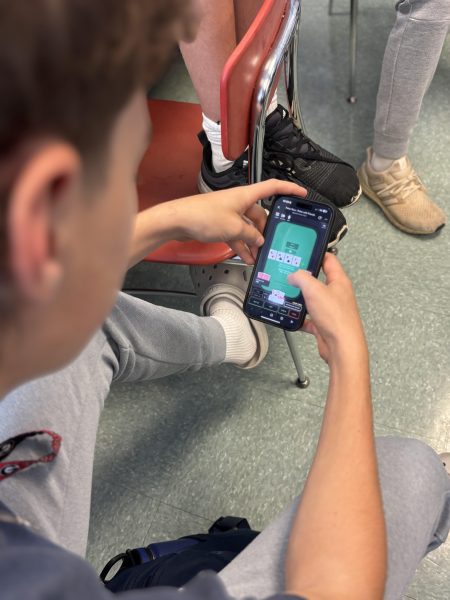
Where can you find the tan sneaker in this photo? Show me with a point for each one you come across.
(401, 195)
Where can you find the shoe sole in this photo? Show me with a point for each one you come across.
(369, 193)
(354, 200)
(204, 188)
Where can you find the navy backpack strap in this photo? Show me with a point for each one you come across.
(129, 558)
(175, 562)
(172, 547)
(139, 556)
(228, 523)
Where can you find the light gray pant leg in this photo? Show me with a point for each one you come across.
(139, 341)
(410, 60)
(416, 497)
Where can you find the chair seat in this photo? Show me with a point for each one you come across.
(169, 170)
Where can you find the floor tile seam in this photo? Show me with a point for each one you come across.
(432, 438)
(163, 468)
(263, 388)
(136, 490)
(403, 432)
(410, 432)
(183, 510)
(439, 567)
(155, 512)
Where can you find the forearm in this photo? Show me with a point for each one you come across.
(154, 227)
(337, 547)
(230, 216)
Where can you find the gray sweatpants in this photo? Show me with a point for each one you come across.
(142, 342)
(410, 60)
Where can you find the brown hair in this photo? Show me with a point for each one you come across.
(67, 67)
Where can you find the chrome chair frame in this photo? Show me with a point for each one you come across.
(285, 50)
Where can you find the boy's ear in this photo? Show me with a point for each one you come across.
(45, 184)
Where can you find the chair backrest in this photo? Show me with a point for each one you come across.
(241, 74)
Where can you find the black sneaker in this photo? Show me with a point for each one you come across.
(339, 227)
(295, 157)
(237, 174)
(210, 181)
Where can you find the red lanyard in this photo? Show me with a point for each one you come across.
(11, 467)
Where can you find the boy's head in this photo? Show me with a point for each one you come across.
(73, 127)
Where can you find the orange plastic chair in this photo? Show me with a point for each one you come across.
(248, 80)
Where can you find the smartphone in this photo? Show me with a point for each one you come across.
(296, 237)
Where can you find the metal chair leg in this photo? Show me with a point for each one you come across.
(302, 379)
(353, 40)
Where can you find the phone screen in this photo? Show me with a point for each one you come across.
(296, 237)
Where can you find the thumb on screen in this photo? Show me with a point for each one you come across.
(304, 281)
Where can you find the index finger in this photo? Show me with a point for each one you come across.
(258, 216)
(272, 187)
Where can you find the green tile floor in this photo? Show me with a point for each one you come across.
(174, 454)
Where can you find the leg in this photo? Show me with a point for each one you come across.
(245, 12)
(221, 26)
(412, 54)
(220, 29)
(416, 497)
(411, 57)
(205, 59)
(207, 55)
(139, 341)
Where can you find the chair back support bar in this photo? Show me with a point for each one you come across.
(249, 79)
(241, 73)
(285, 41)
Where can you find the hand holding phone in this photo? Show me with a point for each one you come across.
(333, 311)
(296, 237)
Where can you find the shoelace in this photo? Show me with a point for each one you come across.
(290, 136)
(404, 187)
(290, 164)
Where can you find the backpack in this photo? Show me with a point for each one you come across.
(176, 562)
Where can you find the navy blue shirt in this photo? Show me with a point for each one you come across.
(32, 568)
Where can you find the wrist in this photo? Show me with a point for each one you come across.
(349, 353)
(168, 218)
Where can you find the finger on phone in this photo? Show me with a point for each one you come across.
(258, 216)
(254, 251)
(243, 251)
(250, 235)
(272, 187)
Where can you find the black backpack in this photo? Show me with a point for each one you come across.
(176, 562)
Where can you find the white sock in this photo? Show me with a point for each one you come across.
(379, 163)
(240, 339)
(214, 135)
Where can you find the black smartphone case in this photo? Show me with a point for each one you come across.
(309, 198)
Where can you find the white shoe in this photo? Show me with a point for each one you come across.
(229, 282)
